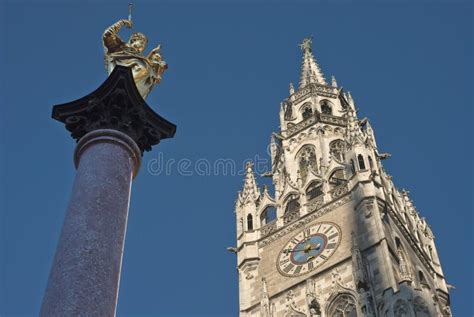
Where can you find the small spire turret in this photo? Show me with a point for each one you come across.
(250, 185)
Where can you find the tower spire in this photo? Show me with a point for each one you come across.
(310, 70)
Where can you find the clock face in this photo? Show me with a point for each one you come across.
(309, 249)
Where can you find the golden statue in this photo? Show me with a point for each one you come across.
(147, 70)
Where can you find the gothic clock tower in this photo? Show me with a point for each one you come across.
(337, 238)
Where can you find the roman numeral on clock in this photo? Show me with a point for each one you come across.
(298, 269)
(310, 266)
(327, 230)
(288, 268)
(295, 241)
(331, 246)
(322, 256)
(284, 262)
(333, 236)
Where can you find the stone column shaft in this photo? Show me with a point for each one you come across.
(85, 274)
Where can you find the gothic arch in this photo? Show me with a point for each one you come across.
(401, 308)
(307, 160)
(250, 224)
(337, 177)
(421, 308)
(292, 196)
(326, 107)
(404, 270)
(268, 214)
(361, 161)
(342, 305)
(337, 149)
(306, 110)
(314, 190)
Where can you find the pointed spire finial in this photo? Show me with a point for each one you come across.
(310, 70)
(250, 184)
(292, 89)
(333, 81)
(306, 44)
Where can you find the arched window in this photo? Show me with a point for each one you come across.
(343, 306)
(326, 107)
(360, 158)
(430, 252)
(249, 222)
(397, 242)
(268, 215)
(371, 163)
(292, 203)
(337, 178)
(288, 111)
(314, 190)
(421, 277)
(337, 149)
(307, 160)
(307, 112)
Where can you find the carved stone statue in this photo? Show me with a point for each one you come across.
(147, 70)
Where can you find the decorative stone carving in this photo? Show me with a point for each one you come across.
(317, 117)
(307, 161)
(265, 308)
(339, 191)
(312, 299)
(291, 216)
(291, 310)
(421, 308)
(403, 268)
(343, 305)
(337, 149)
(401, 309)
(268, 228)
(115, 105)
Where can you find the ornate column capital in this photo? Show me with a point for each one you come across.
(115, 105)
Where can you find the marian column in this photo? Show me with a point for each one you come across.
(113, 126)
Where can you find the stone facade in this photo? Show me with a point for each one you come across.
(326, 168)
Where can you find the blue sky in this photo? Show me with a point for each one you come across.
(408, 66)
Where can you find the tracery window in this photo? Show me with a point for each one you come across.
(326, 107)
(314, 190)
(292, 203)
(360, 159)
(421, 308)
(343, 306)
(337, 149)
(249, 222)
(401, 309)
(306, 161)
(268, 215)
(307, 112)
(337, 178)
